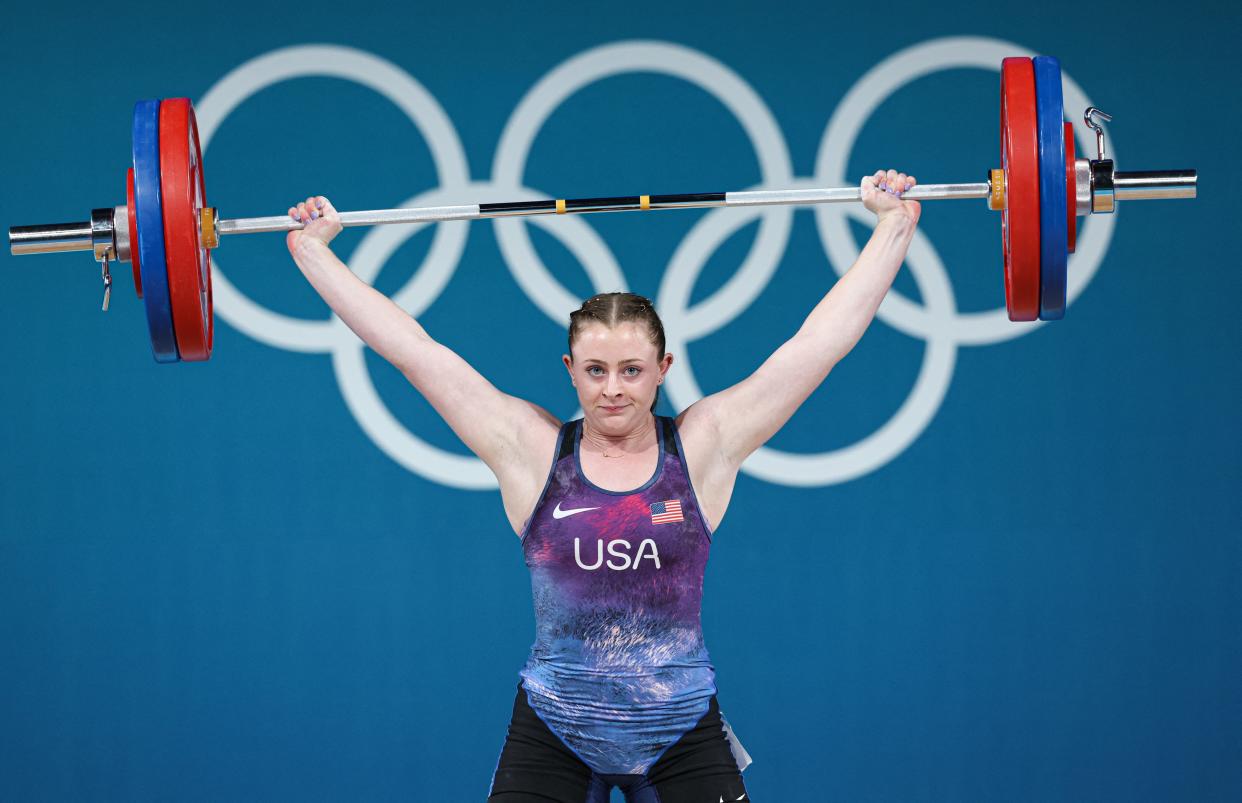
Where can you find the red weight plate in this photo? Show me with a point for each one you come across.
(133, 232)
(181, 189)
(1020, 218)
(1071, 186)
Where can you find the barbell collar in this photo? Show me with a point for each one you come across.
(1082, 187)
(1103, 199)
(120, 224)
(103, 239)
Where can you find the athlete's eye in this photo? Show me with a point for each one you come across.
(591, 369)
(633, 368)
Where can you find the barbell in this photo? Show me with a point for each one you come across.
(167, 231)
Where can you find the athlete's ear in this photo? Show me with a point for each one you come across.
(665, 362)
(569, 366)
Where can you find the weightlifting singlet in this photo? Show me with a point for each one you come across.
(618, 670)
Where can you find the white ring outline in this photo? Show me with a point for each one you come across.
(385, 78)
(677, 61)
(863, 456)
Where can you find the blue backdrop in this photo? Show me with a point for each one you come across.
(1012, 573)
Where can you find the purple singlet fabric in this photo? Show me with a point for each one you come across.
(618, 669)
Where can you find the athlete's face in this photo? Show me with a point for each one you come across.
(616, 372)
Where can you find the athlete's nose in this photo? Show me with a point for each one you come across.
(612, 388)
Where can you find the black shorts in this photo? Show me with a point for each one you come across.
(535, 766)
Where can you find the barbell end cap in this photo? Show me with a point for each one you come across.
(996, 186)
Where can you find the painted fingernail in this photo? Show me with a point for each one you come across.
(319, 204)
(884, 185)
(314, 215)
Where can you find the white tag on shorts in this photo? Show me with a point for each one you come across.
(739, 753)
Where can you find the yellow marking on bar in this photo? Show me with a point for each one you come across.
(644, 202)
(207, 227)
(560, 207)
(997, 189)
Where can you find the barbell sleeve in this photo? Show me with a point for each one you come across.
(50, 238)
(1155, 185)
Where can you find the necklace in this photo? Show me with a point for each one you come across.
(603, 451)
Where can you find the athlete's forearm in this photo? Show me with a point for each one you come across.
(389, 330)
(843, 315)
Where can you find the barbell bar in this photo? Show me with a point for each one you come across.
(97, 232)
(167, 230)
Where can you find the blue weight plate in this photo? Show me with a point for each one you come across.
(1053, 221)
(148, 212)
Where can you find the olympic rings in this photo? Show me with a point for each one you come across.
(937, 321)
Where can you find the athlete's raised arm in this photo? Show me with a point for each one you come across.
(744, 416)
(513, 437)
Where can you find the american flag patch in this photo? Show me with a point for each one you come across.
(666, 512)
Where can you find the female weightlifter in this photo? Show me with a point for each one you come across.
(615, 512)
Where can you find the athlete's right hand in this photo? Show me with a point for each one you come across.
(321, 219)
(881, 194)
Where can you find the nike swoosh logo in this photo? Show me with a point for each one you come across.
(557, 513)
